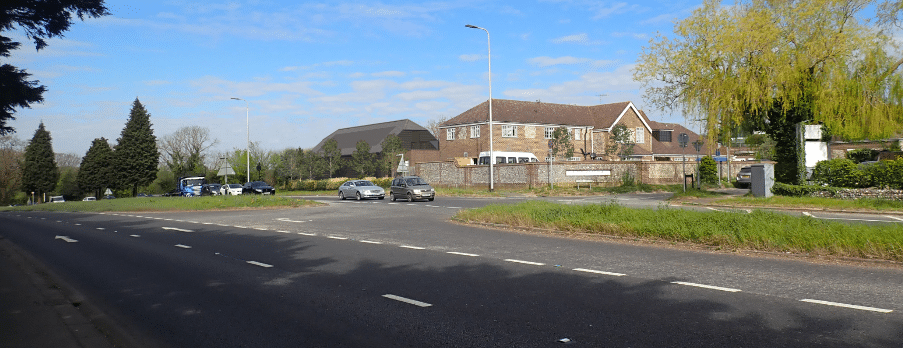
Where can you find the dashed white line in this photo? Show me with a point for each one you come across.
(307, 234)
(598, 272)
(807, 214)
(525, 262)
(893, 217)
(336, 237)
(407, 300)
(261, 229)
(454, 207)
(283, 231)
(371, 242)
(845, 305)
(849, 219)
(101, 228)
(176, 229)
(259, 264)
(411, 247)
(462, 254)
(183, 246)
(135, 235)
(707, 286)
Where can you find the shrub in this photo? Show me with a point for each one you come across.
(782, 189)
(383, 182)
(840, 172)
(862, 155)
(885, 173)
(708, 171)
(333, 184)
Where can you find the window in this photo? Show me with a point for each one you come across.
(577, 134)
(663, 136)
(547, 134)
(638, 135)
(509, 132)
(475, 131)
(450, 134)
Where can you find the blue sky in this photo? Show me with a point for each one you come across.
(307, 69)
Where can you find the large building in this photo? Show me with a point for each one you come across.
(412, 135)
(522, 126)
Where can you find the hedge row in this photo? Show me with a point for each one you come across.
(842, 172)
(799, 190)
(330, 184)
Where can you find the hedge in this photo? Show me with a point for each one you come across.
(782, 189)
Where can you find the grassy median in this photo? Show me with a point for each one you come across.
(760, 230)
(171, 204)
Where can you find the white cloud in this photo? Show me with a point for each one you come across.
(471, 57)
(582, 39)
(388, 74)
(549, 61)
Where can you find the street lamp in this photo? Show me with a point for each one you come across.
(247, 141)
(490, 123)
(682, 141)
(697, 145)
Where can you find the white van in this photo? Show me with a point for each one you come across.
(506, 157)
(57, 199)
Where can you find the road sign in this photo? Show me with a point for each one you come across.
(550, 143)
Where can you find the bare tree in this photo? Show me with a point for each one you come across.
(68, 160)
(11, 151)
(185, 150)
(433, 125)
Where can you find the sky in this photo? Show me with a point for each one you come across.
(307, 69)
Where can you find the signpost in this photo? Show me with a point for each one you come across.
(549, 170)
(682, 141)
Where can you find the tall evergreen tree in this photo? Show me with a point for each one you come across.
(39, 170)
(95, 172)
(135, 156)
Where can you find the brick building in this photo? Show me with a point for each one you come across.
(521, 126)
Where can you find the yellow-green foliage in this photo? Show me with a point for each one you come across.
(760, 230)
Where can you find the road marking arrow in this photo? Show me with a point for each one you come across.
(67, 239)
(177, 229)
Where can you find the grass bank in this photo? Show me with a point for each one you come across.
(169, 204)
(761, 230)
(883, 205)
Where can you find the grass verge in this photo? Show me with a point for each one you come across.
(815, 202)
(760, 230)
(169, 204)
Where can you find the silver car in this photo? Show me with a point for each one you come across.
(411, 188)
(360, 189)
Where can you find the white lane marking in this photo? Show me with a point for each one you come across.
(462, 254)
(208, 223)
(78, 224)
(410, 204)
(454, 207)
(167, 219)
(847, 219)
(183, 246)
(893, 217)
(261, 229)
(525, 262)
(407, 300)
(411, 247)
(67, 239)
(392, 203)
(371, 242)
(239, 226)
(100, 228)
(713, 209)
(336, 237)
(807, 214)
(307, 234)
(176, 229)
(135, 235)
(283, 231)
(287, 220)
(598, 272)
(259, 264)
(836, 304)
(707, 286)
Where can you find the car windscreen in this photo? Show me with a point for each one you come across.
(234, 186)
(258, 184)
(194, 182)
(415, 181)
(364, 183)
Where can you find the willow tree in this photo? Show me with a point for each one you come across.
(770, 65)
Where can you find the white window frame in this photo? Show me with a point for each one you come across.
(509, 131)
(577, 134)
(450, 133)
(548, 132)
(638, 135)
(475, 131)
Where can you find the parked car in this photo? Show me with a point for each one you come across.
(109, 197)
(210, 189)
(142, 195)
(360, 189)
(89, 199)
(743, 177)
(57, 199)
(258, 188)
(174, 193)
(411, 188)
(231, 189)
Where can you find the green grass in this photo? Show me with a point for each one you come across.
(815, 202)
(169, 204)
(760, 230)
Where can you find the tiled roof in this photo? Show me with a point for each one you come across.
(517, 111)
(373, 134)
(673, 147)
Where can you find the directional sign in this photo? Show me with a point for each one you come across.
(177, 229)
(67, 239)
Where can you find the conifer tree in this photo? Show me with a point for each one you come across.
(95, 172)
(39, 170)
(135, 156)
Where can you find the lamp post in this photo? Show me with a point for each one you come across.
(490, 122)
(682, 141)
(247, 141)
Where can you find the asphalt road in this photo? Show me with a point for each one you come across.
(383, 274)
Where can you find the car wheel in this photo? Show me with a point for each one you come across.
(358, 195)
(410, 199)
(381, 197)
(430, 199)
(341, 196)
(392, 196)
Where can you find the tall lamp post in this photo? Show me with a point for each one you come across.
(697, 145)
(247, 141)
(682, 141)
(490, 123)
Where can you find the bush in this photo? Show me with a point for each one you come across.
(840, 172)
(885, 173)
(708, 171)
(862, 155)
(383, 182)
(799, 190)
